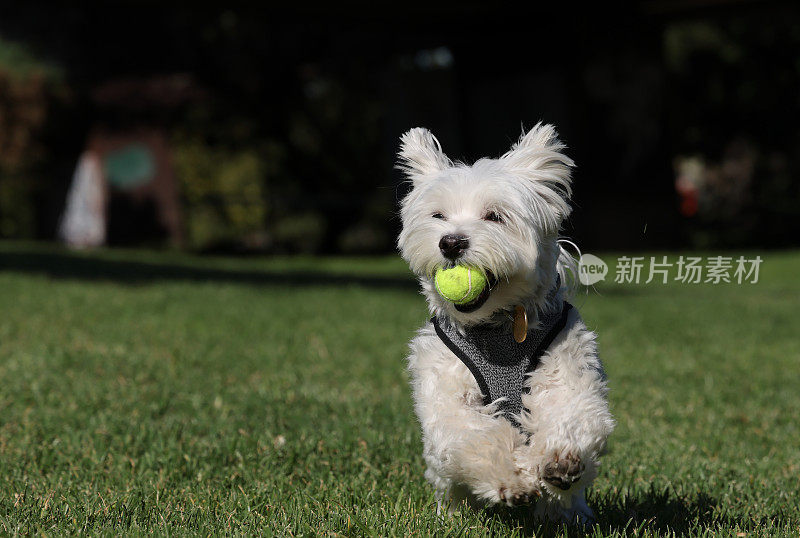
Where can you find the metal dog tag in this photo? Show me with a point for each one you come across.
(520, 324)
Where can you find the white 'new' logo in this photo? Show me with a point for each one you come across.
(591, 269)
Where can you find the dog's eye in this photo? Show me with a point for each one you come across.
(438, 216)
(493, 216)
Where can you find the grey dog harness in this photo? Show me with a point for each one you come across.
(498, 363)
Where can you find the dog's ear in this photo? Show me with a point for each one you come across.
(420, 156)
(538, 157)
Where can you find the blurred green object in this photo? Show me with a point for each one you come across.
(30, 89)
(17, 60)
(130, 167)
(302, 233)
(17, 217)
(224, 192)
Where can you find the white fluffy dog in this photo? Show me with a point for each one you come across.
(502, 215)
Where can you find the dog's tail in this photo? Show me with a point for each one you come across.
(567, 267)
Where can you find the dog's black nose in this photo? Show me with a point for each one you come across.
(453, 245)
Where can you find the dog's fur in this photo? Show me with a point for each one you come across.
(473, 454)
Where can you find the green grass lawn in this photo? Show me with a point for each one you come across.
(164, 393)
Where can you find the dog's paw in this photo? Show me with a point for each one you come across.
(563, 472)
(518, 496)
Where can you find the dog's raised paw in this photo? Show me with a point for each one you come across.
(563, 472)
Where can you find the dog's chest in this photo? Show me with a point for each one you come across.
(497, 362)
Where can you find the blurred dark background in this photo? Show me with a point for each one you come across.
(250, 130)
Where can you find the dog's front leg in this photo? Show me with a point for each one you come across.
(568, 417)
(464, 445)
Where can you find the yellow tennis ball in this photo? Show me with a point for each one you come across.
(461, 284)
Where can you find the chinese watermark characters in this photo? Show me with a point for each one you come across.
(660, 270)
(688, 270)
